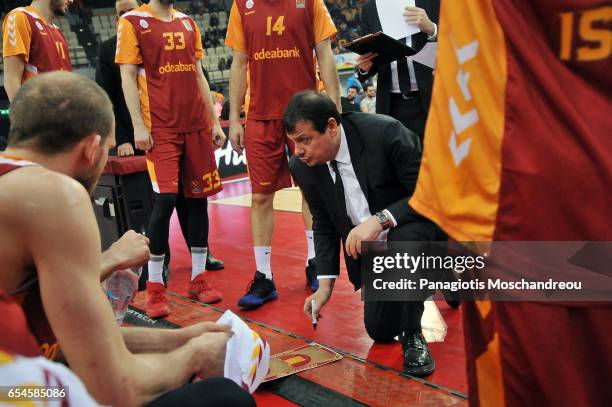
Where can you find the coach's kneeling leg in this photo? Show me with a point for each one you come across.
(382, 319)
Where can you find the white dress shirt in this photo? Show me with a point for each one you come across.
(357, 207)
(395, 86)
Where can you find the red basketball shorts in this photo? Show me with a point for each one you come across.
(188, 158)
(267, 150)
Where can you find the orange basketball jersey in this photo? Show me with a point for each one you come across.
(168, 55)
(42, 45)
(518, 135)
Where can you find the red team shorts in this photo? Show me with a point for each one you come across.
(267, 148)
(185, 157)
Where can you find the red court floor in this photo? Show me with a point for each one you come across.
(342, 324)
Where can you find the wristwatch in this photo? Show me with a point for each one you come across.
(384, 220)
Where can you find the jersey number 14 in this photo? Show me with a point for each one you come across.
(278, 27)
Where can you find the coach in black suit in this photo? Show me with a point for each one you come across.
(404, 87)
(357, 172)
(109, 78)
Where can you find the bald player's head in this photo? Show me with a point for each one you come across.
(52, 112)
(64, 113)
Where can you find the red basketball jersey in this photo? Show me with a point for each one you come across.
(27, 295)
(42, 45)
(168, 55)
(16, 337)
(279, 38)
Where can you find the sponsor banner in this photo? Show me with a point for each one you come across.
(501, 271)
(228, 162)
(346, 61)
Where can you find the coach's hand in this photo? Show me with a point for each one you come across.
(368, 230)
(142, 138)
(236, 135)
(218, 136)
(321, 297)
(125, 150)
(365, 61)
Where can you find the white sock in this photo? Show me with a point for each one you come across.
(262, 260)
(198, 261)
(156, 268)
(310, 244)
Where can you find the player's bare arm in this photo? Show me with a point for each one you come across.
(13, 72)
(150, 340)
(131, 250)
(218, 137)
(129, 84)
(237, 92)
(328, 71)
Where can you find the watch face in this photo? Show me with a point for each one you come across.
(382, 217)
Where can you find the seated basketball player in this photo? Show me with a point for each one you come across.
(50, 251)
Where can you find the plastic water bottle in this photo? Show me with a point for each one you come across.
(120, 288)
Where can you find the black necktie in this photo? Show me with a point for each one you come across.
(338, 186)
(403, 74)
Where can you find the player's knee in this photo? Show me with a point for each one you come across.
(164, 205)
(262, 200)
(380, 332)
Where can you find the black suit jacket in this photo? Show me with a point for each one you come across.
(370, 23)
(386, 157)
(108, 77)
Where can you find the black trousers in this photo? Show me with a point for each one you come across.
(218, 392)
(410, 111)
(384, 320)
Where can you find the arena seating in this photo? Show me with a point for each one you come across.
(103, 26)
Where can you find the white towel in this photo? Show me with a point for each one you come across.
(247, 355)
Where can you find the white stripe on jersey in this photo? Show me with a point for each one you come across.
(31, 68)
(12, 161)
(138, 14)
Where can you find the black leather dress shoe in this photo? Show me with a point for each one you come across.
(417, 358)
(213, 264)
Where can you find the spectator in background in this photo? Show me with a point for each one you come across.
(353, 81)
(195, 7)
(222, 64)
(368, 103)
(219, 100)
(214, 20)
(349, 103)
(226, 5)
(109, 78)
